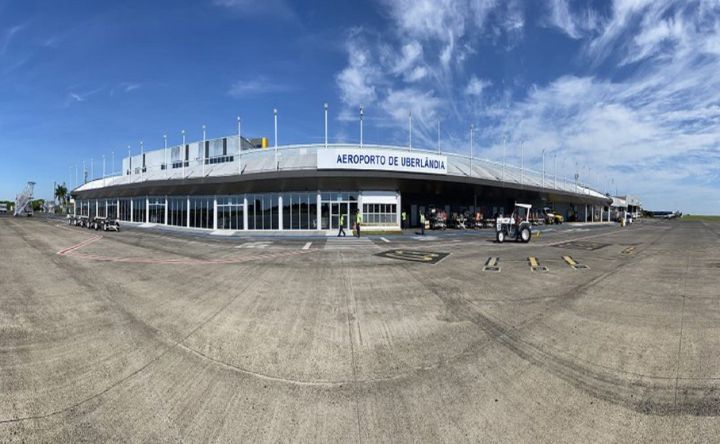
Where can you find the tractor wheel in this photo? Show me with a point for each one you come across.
(525, 234)
(500, 236)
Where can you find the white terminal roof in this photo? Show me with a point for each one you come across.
(304, 157)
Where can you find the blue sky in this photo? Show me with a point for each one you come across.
(626, 93)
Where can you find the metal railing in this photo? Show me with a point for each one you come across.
(304, 157)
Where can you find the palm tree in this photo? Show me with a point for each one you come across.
(61, 194)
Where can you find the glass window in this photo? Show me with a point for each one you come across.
(380, 214)
(139, 209)
(177, 211)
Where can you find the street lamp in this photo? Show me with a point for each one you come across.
(275, 115)
(472, 130)
(504, 151)
(438, 136)
(204, 129)
(522, 162)
(410, 129)
(543, 165)
(362, 113)
(142, 159)
(326, 124)
(183, 154)
(239, 126)
(165, 156)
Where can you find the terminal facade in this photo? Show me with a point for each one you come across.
(227, 184)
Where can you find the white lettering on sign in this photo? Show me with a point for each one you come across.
(385, 160)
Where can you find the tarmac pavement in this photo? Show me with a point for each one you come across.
(586, 334)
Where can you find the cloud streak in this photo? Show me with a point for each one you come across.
(261, 85)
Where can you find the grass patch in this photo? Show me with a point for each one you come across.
(702, 218)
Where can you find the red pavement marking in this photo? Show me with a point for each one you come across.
(69, 250)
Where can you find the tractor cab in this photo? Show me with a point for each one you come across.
(517, 226)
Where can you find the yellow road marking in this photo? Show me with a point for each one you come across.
(492, 264)
(628, 250)
(575, 265)
(533, 262)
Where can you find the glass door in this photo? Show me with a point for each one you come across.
(334, 215)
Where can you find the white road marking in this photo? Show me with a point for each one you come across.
(384, 240)
(255, 245)
(307, 246)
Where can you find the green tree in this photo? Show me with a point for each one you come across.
(61, 193)
(37, 204)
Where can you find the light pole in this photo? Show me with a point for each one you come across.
(410, 130)
(504, 150)
(84, 173)
(239, 123)
(165, 156)
(183, 153)
(275, 115)
(130, 161)
(362, 113)
(543, 163)
(76, 179)
(103, 158)
(326, 126)
(92, 172)
(142, 159)
(522, 162)
(438, 136)
(204, 128)
(472, 130)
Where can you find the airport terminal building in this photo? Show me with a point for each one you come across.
(229, 184)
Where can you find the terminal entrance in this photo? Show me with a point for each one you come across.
(337, 209)
(342, 204)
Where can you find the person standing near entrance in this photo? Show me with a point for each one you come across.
(422, 224)
(358, 222)
(403, 218)
(341, 226)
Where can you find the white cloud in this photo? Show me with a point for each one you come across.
(575, 24)
(357, 82)
(8, 36)
(414, 66)
(261, 85)
(129, 87)
(278, 9)
(400, 103)
(476, 86)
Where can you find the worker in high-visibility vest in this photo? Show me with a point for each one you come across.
(358, 222)
(422, 224)
(403, 217)
(341, 226)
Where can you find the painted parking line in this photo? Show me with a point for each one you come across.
(574, 264)
(262, 244)
(384, 240)
(492, 264)
(535, 264)
(307, 246)
(428, 257)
